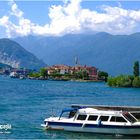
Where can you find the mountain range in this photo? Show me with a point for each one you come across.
(13, 54)
(112, 53)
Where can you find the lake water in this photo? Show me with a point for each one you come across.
(26, 103)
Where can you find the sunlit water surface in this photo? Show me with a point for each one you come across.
(26, 103)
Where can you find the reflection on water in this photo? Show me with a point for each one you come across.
(57, 134)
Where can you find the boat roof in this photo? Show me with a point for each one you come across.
(107, 107)
(98, 112)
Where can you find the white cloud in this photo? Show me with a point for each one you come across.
(72, 18)
(15, 11)
(4, 20)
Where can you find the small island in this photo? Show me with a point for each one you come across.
(126, 80)
(70, 73)
(59, 72)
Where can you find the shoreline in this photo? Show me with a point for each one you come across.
(72, 80)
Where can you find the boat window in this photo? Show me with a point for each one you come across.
(117, 119)
(92, 118)
(72, 113)
(81, 117)
(104, 118)
(129, 117)
(136, 115)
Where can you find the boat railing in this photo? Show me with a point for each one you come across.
(108, 107)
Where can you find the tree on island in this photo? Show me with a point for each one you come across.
(44, 72)
(126, 80)
(136, 69)
(81, 74)
(136, 82)
(103, 75)
(120, 81)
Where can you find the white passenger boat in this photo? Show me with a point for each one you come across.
(90, 119)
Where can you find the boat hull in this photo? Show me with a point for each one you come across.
(104, 129)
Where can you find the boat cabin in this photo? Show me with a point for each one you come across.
(94, 115)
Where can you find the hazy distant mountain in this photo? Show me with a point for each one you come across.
(11, 53)
(112, 53)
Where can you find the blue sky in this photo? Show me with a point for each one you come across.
(22, 18)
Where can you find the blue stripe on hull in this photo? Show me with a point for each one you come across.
(91, 125)
(65, 124)
(109, 126)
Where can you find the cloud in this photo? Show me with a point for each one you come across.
(72, 18)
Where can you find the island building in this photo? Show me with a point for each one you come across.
(64, 69)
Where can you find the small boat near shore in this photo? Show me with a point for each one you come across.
(97, 119)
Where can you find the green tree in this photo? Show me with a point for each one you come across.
(112, 81)
(103, 75)
(136, 69)
(85, 75)
(136, 82)
(44, 72)
(124, 81)
(56, 74)
(35, 75)
(120, 81)
(78, 75)
(81, 74)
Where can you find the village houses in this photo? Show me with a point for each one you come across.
(64, 69)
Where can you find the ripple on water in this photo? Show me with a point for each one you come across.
(26, 103)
